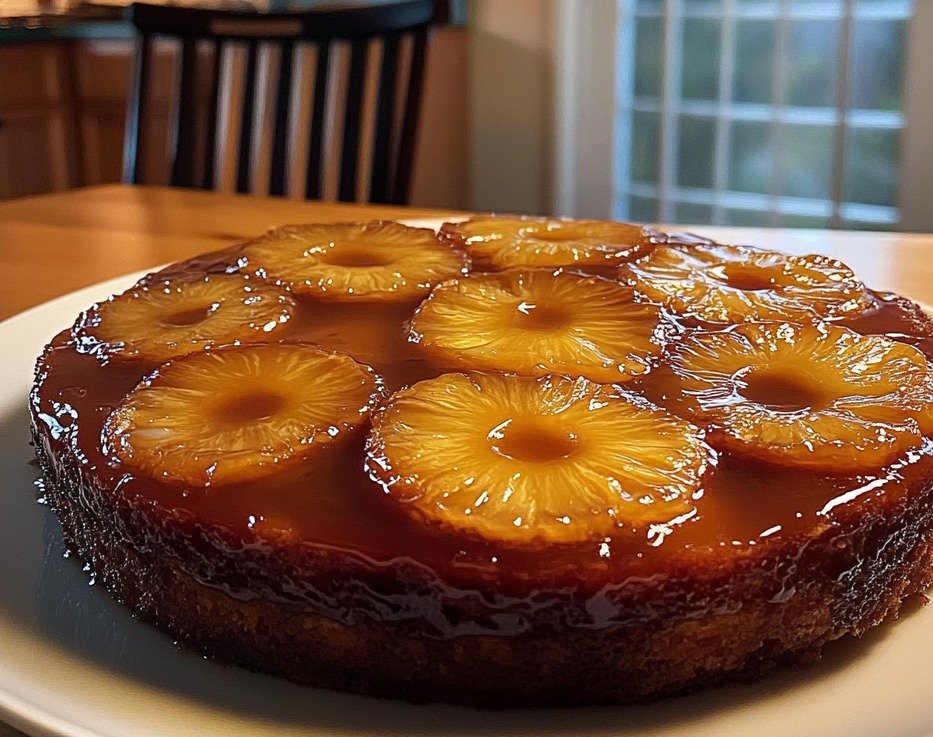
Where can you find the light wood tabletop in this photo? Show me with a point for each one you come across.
(53, 244)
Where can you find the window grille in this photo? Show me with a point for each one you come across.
(760, 112)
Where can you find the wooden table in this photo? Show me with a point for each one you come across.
(53, 244)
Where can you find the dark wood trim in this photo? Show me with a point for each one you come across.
(184, 140)
(247, 112)
(208, 175)
(353, 23)
(313, 183)
(279, 174)
(380, 179)
(409, 132)
(137, 112)
(353, 110)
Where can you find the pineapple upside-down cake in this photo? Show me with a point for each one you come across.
(518, 461)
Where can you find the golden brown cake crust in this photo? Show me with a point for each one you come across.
(843, 582)
(577, 631)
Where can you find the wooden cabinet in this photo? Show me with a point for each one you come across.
(38, 151)
(104, 72)
(32, 153)
(62, 113)
(101, 132)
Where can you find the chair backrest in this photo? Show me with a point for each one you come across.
(393, 87)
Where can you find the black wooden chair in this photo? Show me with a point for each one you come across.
(205, 33)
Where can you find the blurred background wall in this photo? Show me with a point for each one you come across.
(511, 101)
(815, 113)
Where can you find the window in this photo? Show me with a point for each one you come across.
(760, 112)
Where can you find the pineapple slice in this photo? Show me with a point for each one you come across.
(720, 283)
(369, 262)
(175, 316)
(813, 396)
(497, 243)
(239, 412)
(517, 458)
(537, 322)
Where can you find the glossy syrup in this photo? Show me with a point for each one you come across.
(328, 502)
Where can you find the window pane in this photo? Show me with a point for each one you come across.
(802, 221)
(700, 79)
(894, 7)
(695, 156)
(823, 6)
(754, 60)
(813, 63)
(690, 213)
(878, 64)
(871, 166)
(648, 57)
(772, 145)
(702, 5)
(643, 209)
(645, 146)
(752, 218)
(807, 160)
(750, 161)
(648, 6)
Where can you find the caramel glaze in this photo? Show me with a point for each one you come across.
(324, 538)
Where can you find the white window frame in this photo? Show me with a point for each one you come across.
(585, 112)
(916, 176)
(585, 62)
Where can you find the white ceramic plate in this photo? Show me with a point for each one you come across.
(72, 662)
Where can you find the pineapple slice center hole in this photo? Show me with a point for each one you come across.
(782, 391)
(356, 258)
(746, 277)
(186, 318)
(531, 440)
(251, 406)
(533, 316)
